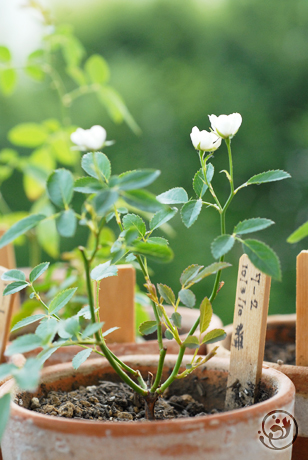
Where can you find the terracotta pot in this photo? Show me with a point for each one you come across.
(189, 317)
(223, 436)
(281, 328)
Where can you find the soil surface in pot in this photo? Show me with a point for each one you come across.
(279, 352)
(114, 401)
(280, 344)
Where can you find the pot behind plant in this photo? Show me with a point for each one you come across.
(223, 436)
(146, 347)
(281, 328)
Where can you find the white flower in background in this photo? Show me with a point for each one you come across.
(226, 125)
(89, 139)
(203, 140)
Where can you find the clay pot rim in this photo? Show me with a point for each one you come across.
(285, 391)
(289, 369)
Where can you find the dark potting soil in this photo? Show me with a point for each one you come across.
(110, 401)
(279, 352)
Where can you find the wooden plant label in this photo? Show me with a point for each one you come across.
(117, 304)
(6, 310)
(248, 339)
(7, 260)
(302, 309)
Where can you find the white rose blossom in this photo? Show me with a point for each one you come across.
(89, 139)
(205, 141)
(226, 125)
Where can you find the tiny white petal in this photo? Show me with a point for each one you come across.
(89, 139)
(204, 140)
(226, 125)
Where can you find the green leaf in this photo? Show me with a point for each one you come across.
(61, 300)
(77, 75)
(187, 297)
(173, 196)
(148, 327)
(221, 245)
(45, 354)
(263, 258)
(189, 273)
(199, 183)
(139, 178)
(96, 165)
(66, 223)
(85, 312)
(6, 370)
(5, 55)
(20, 228)
(81, 357)
(161, 217)
(26, 321)
(177, 319)
(60, 187)
(143, 200)
(299, 234)
(71, 326)
(159, 252)
(13, 275)
(116, 107)
(269, 176)
(48, 237)
(47, 330)
(91, 329)
(8, 79)
(87, 185)
(109, 331)
(191, 342)
(166, 293)
(104, 271)
(14, 287)
(104, 201)
(35, 71)
(206, 313)
(133, 221)
(210, 270)
(214, 336)
(38, 271)
(130, 235)
(97, 69)
(158, 240)
(72, 50)
(190, 212)
(5, 403)
(28, 135)
(23, 344)
(169, 335)
(27, 378)
(252, 225)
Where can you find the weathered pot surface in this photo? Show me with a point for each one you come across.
(281, 328)
(222, 436)
(147, 347)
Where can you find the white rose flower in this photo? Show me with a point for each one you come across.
(203, 140)
(89, 139)
(226, 125)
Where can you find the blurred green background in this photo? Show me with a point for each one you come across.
(174, 62)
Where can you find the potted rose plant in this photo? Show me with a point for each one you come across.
(148, 377)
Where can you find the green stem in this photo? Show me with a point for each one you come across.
(222, 228)
(159, 372)
(108, 354)
(203, 165)
(174, 373)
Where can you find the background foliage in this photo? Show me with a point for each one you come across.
(174, 62)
